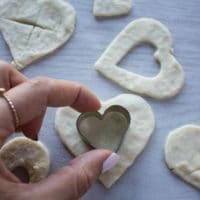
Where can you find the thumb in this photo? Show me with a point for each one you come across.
(73, 180)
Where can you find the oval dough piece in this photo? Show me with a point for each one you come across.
(35, 28)
(182, 153)
(170, 79)
(31, 155)
(139, 132)
(109, 8)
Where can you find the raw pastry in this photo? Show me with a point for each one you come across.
(135, 140)
(35, 28)
(109, 8)
(26, 153)
(167, 83)
(182, 153)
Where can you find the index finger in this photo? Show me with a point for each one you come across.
(32, 97)
(9, 76)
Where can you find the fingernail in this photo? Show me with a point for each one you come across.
(110, 162)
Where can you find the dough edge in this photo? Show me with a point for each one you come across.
(181, 169)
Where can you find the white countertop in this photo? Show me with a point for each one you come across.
(149, 178)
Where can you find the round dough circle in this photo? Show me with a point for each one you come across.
(29, 154)
(182, 153)
(137, 137)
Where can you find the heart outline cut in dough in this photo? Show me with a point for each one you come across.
(135, 140)
(182, 153)
(169, 80)
(104, 131)
(111, 8)
(35, 28)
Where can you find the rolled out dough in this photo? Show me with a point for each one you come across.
(170, 79)
(26, 153)
(182, 153)
(141, 127)
(35, 28)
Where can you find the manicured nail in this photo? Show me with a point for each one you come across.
(110, 162)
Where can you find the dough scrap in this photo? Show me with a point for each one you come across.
(35, 28)
(139, 132)
(182, 153)
(29, 154)
(167, 83)
(109, 8)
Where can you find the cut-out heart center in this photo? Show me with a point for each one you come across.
(104, 131)
(108, 8)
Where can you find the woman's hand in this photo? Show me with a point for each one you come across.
(31, 99)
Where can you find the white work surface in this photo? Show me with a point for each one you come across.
(149, 178)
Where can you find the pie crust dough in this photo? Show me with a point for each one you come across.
(35, 28)
(29, 154)
(139, 132)
(182, 153)
(110, 8)
(170, 79)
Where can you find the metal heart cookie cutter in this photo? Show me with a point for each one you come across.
(104, 131)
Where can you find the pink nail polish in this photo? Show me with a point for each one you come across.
(110, 162)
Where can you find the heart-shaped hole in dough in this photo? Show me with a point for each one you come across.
(134, 61)
(169, 80)
(104, 131)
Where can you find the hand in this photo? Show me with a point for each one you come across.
(73, 180)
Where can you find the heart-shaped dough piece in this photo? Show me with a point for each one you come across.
(109, 8)
(104, 131)
(135, 140)
(167, 83)
(35, 28)
(182, 153)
